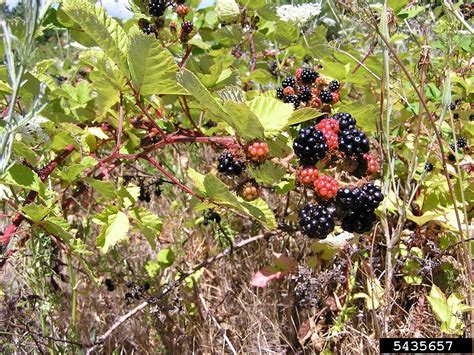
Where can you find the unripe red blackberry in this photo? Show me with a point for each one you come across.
(288, 91)
(250, 191)
(335, 97)
(182, 10)
(332, 139)
(258, 151)
(328, 124)
(326, 187)
(372, 164)
(307, 176)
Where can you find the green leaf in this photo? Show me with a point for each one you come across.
(244, 121)
(148, 223)
(153, 69)
(103, 29)
(192, 84)
(267, 173)
(113, 232)
(274, 115)
(106, 188)
(21, 176)
(72, 172)
(303, 115)
(165, 257)
(36, 212)
(197, 179)
(366, 115)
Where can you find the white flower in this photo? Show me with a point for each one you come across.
(298, 14)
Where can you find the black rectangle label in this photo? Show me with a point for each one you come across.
(427, 345)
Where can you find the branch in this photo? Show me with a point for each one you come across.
(253, 51)
(101, 339)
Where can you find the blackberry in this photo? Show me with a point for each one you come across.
(457, 102)
(146, 27)
(144, 193)
(316, 221)
(304, 94)
(358, 221)
(346, 121)
(308, 75)
(452, 147)
(227, 165)
(273, 68)
(350, 199)
(187, 26)
(334, 85)
(310, 146)
(353, 142)
(325, 96)
(279, 92)
(429, 167)
(157, 7)
(373, 196)
(452, 106)
(456, 115)
(462, 142)
(293, 99)
(289, 81)
(471, 117)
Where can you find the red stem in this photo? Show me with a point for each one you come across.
(253, 51)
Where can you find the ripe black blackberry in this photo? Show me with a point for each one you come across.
(316, 221)
(462, 142)
(279, 92)
(346, 121)
(353, 142)
(146, 27)
(325, 96)
(334, 85)
(308, 75)
(227, 165)
(358, 221)
(471, 117)
(452, 106)
(273, 68)
(289, 81)
(310, 146)
(144, 193)
(293, 99)
(157, 8)
(429, 167)
(373, 196)
(304, 94)
(187, 26)
(350, 198)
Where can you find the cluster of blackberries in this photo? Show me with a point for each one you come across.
(211, 216)
(146, 189)
(156, 10)
(273, 68)
(467, 10)
(228, 165)
(357, 205)
(135, 292)
(298, 89)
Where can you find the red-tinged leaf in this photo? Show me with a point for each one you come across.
(263, 277)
